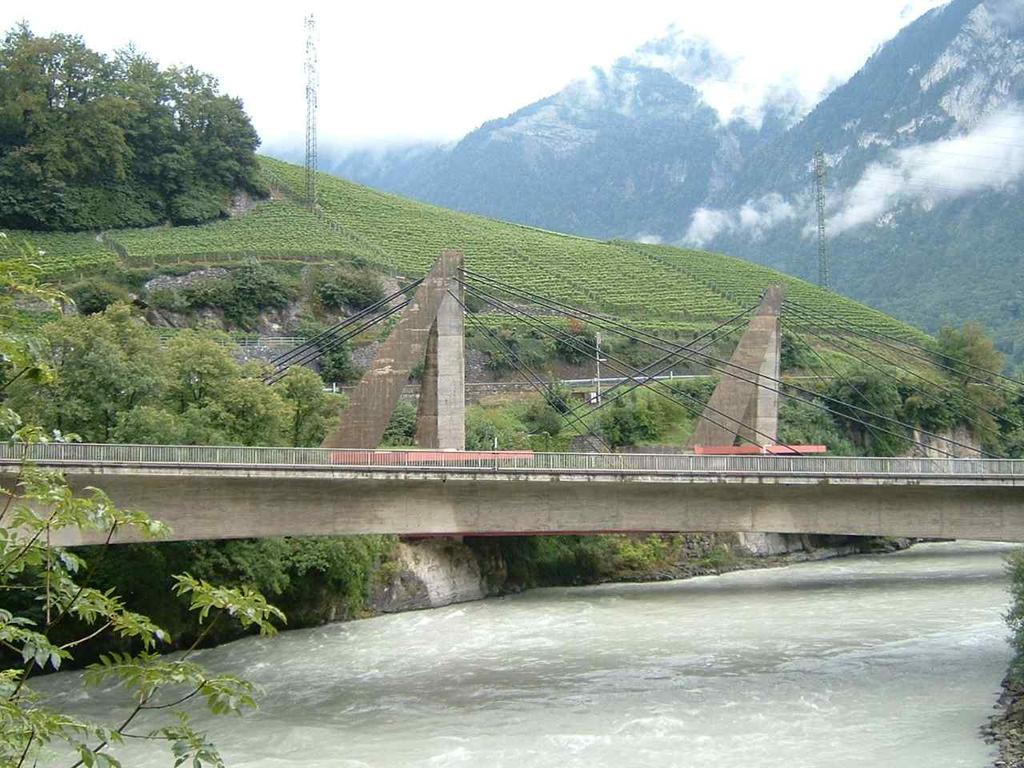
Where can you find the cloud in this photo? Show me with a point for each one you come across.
(690, 58)
(1008, 14)
(648, 239)
(752, 220)
(926, 174)
(723, 81)
(707, 224)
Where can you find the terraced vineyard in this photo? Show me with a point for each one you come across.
(275, 228)
(662, 286)
(62, 254)
(743, 282)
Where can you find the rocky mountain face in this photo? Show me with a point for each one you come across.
(924, 149)
(628, 152)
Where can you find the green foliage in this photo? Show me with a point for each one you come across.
(313, 411)
(578, 345)
(874, 400)
(794, 355)
(53, 611)
(401, 429)
(341, 288)
(541, 418)
(248, 290)
(666, 290)
(541, 561)
(94, 295)
(113, 380)
(967, 350)
(487, 428)
(337, 366)
(318, 579)
(637, 418)
(801, 423)
(1015, 616)
(91, 142)
(694, 392)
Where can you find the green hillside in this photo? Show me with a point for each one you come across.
(657, 284)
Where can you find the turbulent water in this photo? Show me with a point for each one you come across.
(870, 661)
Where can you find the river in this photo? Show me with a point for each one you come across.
(890, 660)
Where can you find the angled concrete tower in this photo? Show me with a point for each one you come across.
(430, 330)
(736, 405)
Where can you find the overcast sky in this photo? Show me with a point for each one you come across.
(397, 71)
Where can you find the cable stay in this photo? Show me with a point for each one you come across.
(757, 380)
(532, 378)
(286, 359)
(951, 391)
(315, 353)
(846, 325)
(623, 368)
(871, 427)
(668, 361)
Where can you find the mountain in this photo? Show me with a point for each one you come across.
(630, 151)
(923, 150)
(925, 159)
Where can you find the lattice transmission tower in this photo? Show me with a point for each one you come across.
(312, 88)
(824, 277)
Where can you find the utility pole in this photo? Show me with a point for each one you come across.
(598, 360)
(824, 277)
(312, 88)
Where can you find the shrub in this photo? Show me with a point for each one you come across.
(340, 288)
(401, 430)
(336, 366)
(95, 295)
(247, 291)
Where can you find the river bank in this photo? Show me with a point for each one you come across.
(1005, 729)
(432, 573)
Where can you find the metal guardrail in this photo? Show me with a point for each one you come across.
(83, 454)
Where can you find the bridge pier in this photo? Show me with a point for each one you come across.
(429, 330)
(441, 416)
(747, 408)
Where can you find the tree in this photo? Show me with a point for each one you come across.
(401, 429)
(970, 352)
(103, 365)
(487, 428)
(61, 612)
(312, 409)
(867, 405)
(337, 366)
(90, 142)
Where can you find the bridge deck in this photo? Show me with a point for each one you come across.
(299, 459)
(231, 492)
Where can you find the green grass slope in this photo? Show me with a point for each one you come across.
(655, 284)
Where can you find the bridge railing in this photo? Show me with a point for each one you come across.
(84, 454)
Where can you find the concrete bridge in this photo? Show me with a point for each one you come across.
(216, 493)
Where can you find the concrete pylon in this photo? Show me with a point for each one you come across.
(743, 410)
(429, 330)
(441, 417)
